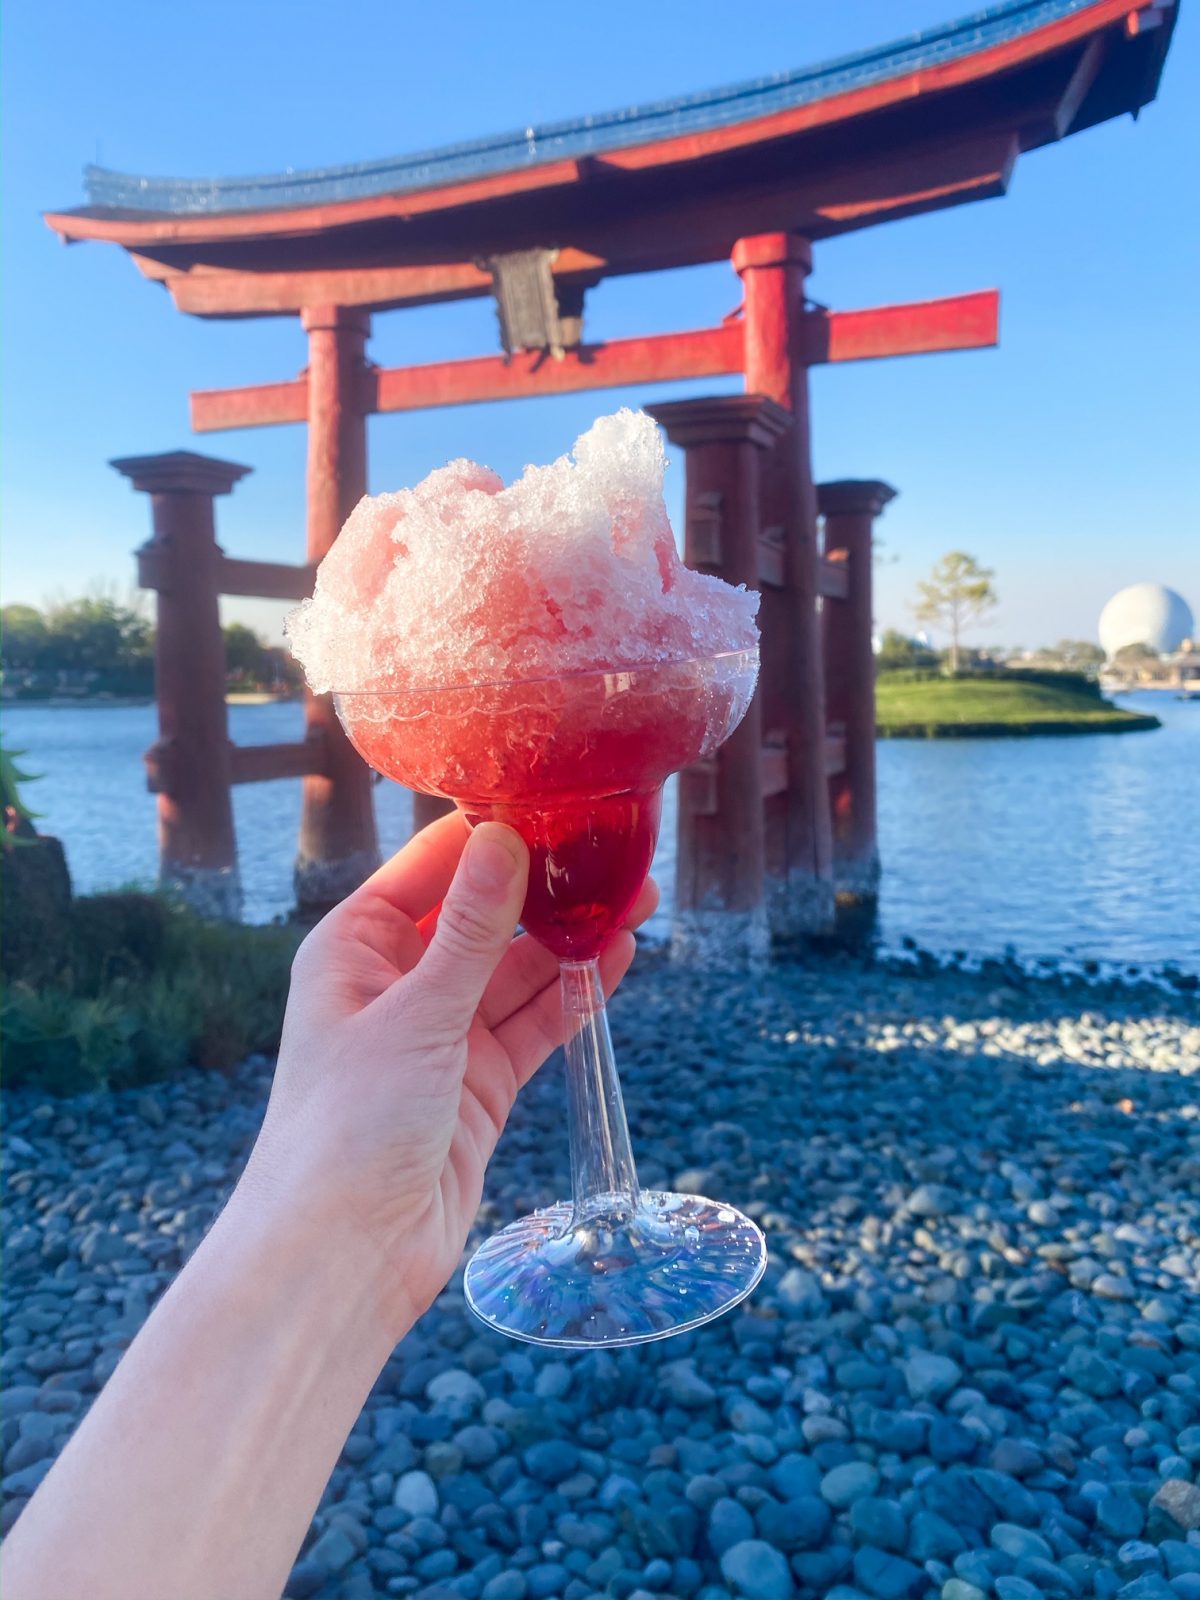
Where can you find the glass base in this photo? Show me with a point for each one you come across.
(621, 1276)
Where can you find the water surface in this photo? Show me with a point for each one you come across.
(1087, 848)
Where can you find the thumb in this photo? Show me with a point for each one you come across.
(476, 923)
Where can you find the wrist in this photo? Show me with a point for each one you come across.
(319, 1254)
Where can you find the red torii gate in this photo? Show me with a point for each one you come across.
(755, 174)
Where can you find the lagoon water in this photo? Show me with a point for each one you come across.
(1077, 848)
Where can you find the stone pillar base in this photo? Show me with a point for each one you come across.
(857, 880)
(715, 940)
(320, 885)
(800, 906)
(211, 892)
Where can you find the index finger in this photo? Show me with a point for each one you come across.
(416, 878)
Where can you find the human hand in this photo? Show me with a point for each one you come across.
(414, 1018)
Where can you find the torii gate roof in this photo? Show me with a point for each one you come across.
(932, 120)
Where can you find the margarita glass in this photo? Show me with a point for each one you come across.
(576, 763)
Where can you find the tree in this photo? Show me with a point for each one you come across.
(22, 636)
(955, 595)
(100, 637)
(1079, 653)
(897, 651)
(245, 654)
(1134, 655)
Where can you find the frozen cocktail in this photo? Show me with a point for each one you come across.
(540, 655)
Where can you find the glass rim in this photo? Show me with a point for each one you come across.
(549, 677)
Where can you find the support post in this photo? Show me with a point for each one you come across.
(720, 912)
(190, 765)
(849, 508)
(338, 846)
(800, 898)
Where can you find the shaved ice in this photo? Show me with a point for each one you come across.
(462, 581)
(540, 655)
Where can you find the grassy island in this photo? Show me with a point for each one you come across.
(929, 705)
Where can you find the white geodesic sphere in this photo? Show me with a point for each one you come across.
(1145, 613)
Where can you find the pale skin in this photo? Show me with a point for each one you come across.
(414, 1019)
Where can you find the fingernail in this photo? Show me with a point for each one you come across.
(491, 863)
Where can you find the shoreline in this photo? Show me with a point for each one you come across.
(99, 702)
(1070, 727)
(1097, 978)
(71, 702)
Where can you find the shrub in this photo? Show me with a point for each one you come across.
(1048, 677)
(141, 988)
(61, 1042)
(119, 935)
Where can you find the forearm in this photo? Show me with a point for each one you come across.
(201, 1464)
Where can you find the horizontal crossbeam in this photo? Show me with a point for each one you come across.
(258, 405)
(701, 776)
(260, 763)
(249, 763)
(961, 322)
(264, 580)
(923, 327)
(703, 353)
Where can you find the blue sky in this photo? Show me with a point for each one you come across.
(1061, 459)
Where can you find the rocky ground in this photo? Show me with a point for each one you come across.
(973, 1367)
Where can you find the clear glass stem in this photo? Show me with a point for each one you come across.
(603, 1176)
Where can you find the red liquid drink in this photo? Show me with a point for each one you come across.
(588, 860)
(575, 764)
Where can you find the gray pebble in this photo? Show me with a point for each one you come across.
(753, 1569)
(844, 1484)
(930, 1376)
(887, 1576)
(416, 1494)
(728, 1524)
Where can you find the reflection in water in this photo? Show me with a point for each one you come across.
(1083, 847)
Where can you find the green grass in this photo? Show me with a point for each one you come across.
(917, 705)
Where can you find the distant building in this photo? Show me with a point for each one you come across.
(1148, 614)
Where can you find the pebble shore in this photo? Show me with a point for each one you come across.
(972, 1369)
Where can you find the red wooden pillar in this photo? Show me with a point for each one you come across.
(800, 897)
(849, 509)
(719, 889)
(338, 846)
(189, 766)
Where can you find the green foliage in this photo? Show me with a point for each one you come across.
(22, 636)
(142, 988)
(99, 635)
(18, 818)
(897, 652)
(61, 1042)
(957, 593)
(246, 657)
(94, 640)
(251, 664)
(98, 644)
(1078, 653)
(116, 936)
(1130, 655)
(897, 675)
